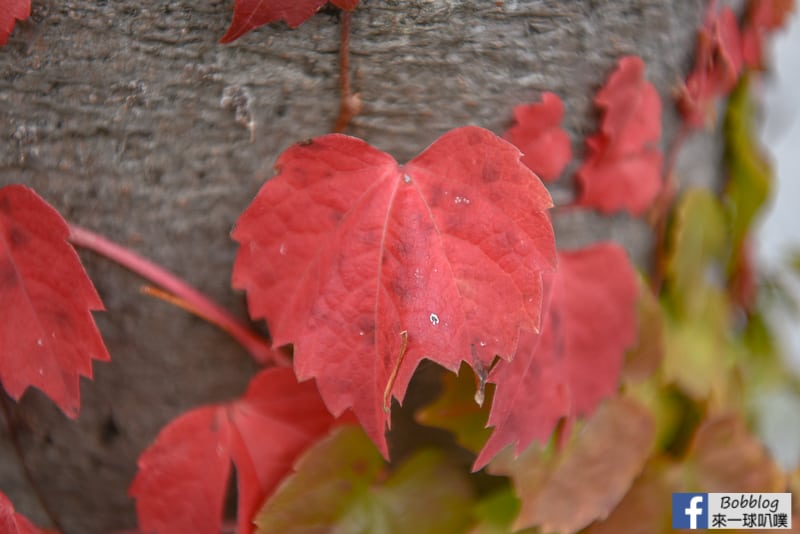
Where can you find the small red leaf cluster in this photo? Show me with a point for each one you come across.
(10, 12)
(718, 62)
(622, 169)
(762, 17)
(251, 14)
(538, 134)
(183, 476)
(48, 338)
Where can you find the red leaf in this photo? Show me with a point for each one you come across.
(180, 486)
(349, 256)
(251, 14)
(47, 336)
(538, 134)
(10, 12)
(763, 17)
(718, 62)
(577, 359)
(623, 167)
(12, 522)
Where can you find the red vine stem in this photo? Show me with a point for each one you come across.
(256, 345)
(19, 451)
(349, 103)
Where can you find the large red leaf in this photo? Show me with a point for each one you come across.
(250, 14)
(182, 478)
(718, 63)
(369, 266)
(538, 134)
(10, 12)
(576, 361)
(12, 522)
(47, 335)
(623, 165)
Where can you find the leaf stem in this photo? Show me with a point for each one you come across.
(19, 451)
(349, 103)
(258, 347)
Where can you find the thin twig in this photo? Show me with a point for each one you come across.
(13, 436)
(349, 103)
(387, 392)
(256, 345)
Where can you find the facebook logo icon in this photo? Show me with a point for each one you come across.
(690, 510)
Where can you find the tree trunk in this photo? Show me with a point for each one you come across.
(134, 122)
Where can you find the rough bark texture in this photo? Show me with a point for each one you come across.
(134, 122)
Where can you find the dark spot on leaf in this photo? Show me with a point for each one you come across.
(399, 289)
(434, 195)
(17, 238)
(473, 137)
(8, 274)
(62, 317)
(555, 326)
(366, 329)
(5, 205)
(490, 173)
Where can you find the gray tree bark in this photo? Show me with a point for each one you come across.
(133, 121)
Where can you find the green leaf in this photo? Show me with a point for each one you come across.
(341, 485)
(699, 355)
(750, 180)
(496, 512)
(698, 244)
(456, 410)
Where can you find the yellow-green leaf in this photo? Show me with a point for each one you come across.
(698, 242)
(750, 179)
(456, 410)
(342, 486)
(496, 512)
(699, 356)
